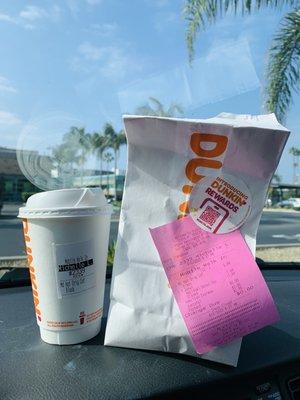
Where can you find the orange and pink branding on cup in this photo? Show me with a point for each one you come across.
(35, 292)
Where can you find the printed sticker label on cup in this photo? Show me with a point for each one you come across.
(220, 204)
(75, 267)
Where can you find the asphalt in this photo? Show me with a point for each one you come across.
(279, 228)
(11, 231)
(276, 228)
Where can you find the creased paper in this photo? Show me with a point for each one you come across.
(217, 285)
(166, 158)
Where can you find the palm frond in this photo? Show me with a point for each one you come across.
(145, 110)
(175, 109)
(109, 131)
(200, 13)
(158, 105)
(156, 108)
(284, 65)
(121, 138)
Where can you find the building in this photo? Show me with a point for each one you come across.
(12, 181)
(15, 187)
(106, 181)
(283, 191)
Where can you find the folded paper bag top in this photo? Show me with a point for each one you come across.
(167, 158)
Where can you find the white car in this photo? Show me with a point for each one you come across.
(292, 202)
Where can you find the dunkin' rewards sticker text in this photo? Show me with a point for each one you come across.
(220, 204)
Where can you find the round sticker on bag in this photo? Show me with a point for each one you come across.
(220, 204)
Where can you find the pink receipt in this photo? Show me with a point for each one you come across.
(218, 287)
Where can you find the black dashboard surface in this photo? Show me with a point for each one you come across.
(31, 369)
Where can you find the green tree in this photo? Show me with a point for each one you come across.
(115, 140)
(283, 70)
(156, 108)
(108, 157)
(295, 153)
(99, 145)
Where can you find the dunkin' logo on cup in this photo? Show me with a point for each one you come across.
(31, 270)
(205, 158)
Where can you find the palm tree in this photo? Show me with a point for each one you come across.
(108, 158)
(79, 139)
(99, 145)
(295, 153)
(115, 140)
(64, 156)
(283, 71)
(276, 178)
(156, 108)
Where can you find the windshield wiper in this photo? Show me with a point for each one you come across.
(14, 277)
(278, 265)
(19, 276)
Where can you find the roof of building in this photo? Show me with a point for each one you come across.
(9, 164)
(285, 185)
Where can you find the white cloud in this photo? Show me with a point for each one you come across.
(89, 51)
(8, 118)
(109, 61)
(117, 62)
(7, 18)
(75, 5)
(32, 14)
(105, 30)
(6, 86)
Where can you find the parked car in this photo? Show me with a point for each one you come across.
(292, 202)
(297, 205)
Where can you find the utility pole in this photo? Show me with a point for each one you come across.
(297, 167)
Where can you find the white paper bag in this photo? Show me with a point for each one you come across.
(162, 160)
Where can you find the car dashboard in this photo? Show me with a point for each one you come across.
(268, 367)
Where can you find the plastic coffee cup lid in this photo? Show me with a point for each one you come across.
(81, 202)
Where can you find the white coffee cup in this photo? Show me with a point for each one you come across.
(66, 234)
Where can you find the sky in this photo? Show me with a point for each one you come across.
(85, 62)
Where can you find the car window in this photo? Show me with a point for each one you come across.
(70, 69)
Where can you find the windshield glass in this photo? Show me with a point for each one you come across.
(70, 69)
